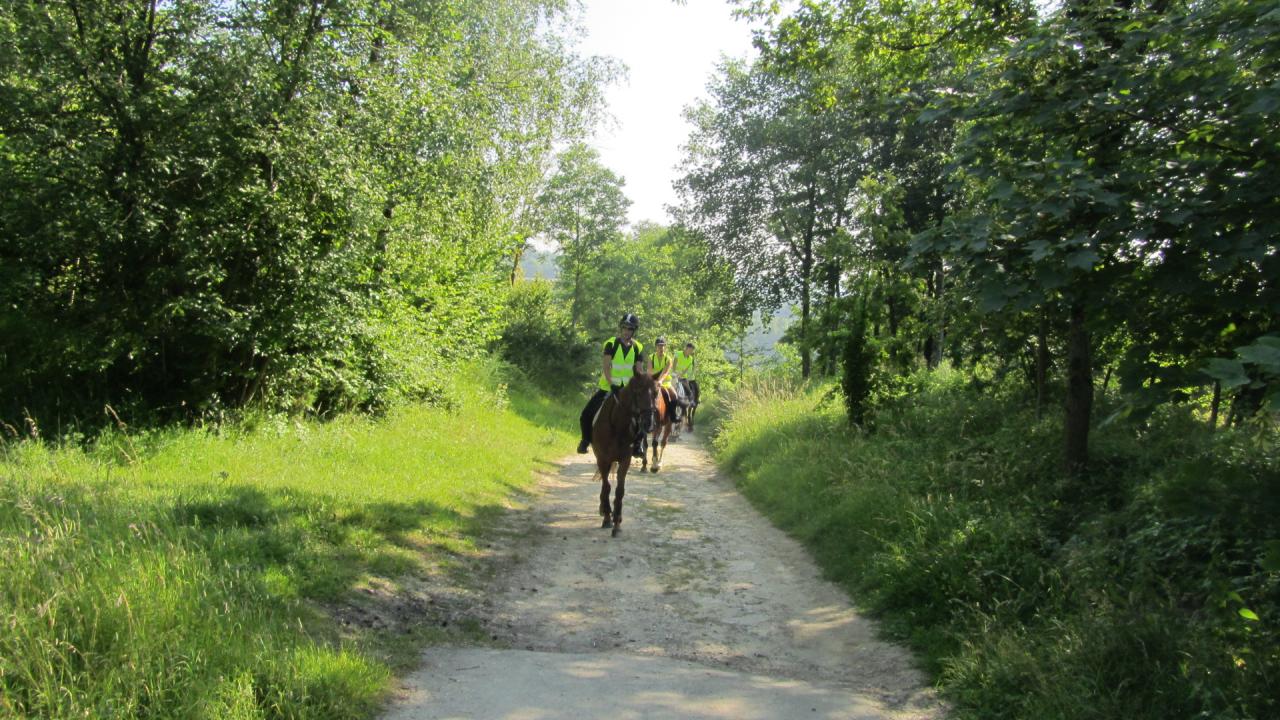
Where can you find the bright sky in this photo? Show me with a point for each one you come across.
(671, 51)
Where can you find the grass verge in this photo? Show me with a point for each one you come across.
(1147, 590)
(264, 572)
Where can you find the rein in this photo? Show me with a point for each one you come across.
(641, 418)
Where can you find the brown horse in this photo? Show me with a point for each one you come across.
(665, 407)
(623, 415)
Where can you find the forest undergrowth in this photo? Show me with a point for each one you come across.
(1147, 588)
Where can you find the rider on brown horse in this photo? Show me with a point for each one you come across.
(622, 354)
(663, 364)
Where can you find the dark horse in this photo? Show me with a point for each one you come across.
(691, 402)
(665, 420)
(624, 415)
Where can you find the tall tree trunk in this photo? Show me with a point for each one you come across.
(806, 357)
(937, 337)
(830, 345)
(1079, 404)
(1213, 408)
(806, 290)
(577, 270)
(380, 244)
(515, 263)
(577, 286)
(1042, 363)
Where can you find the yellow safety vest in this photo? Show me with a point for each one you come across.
(660, 362)
(624, 362)
(684, 365)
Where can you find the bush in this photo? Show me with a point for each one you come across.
(539, 339)
(858, 366)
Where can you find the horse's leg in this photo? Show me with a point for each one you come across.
(653, 444)
(662, 450)
(619, 491)
(603, 470)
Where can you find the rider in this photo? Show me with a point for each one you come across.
(663, 365)
(684, 371)
(622, 353)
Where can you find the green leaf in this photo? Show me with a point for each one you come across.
(1248, 614)
(993, 299)
(1003, 190)
(1082, 259)
(1265, 104)
(930, 115)
(1270, 560)
(1051, 278)
(1265, 357)
(1230, 373)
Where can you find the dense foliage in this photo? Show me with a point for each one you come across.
(306, 204)
(1069, 194)
(665, 277)
(982, 209)
(1148, 591)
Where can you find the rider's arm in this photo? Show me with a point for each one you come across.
(608, 368)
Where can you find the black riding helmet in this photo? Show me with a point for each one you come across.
(630, 321)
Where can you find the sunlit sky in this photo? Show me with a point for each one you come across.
(671, 51)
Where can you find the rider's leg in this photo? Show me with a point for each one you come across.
(589, 415)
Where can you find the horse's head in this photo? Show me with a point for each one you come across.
(643, 402)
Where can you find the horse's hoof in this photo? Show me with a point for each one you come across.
(655, 469)
(608, 523)
(615, 532)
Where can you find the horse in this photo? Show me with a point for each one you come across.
(691, 403)
(665, 421)
(622, 416)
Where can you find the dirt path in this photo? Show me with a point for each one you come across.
(699, 609)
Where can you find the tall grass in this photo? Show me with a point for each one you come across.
(1148, 590)
(191, 574)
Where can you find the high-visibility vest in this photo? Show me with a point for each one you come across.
(660, 362)
(684, 365)
(624, 362)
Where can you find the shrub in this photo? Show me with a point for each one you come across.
(538, 338)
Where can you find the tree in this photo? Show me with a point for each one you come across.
(212, 204)
(584, 209)
(767, 183)
(671, 280)
(1121, 165)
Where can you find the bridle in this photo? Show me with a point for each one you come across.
(644, 411)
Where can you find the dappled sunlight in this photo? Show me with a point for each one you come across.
(525, 685)
(820, 623)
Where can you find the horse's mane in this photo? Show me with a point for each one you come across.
(638, 382)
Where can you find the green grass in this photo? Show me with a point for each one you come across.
(193, 574)
(1028, 594)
